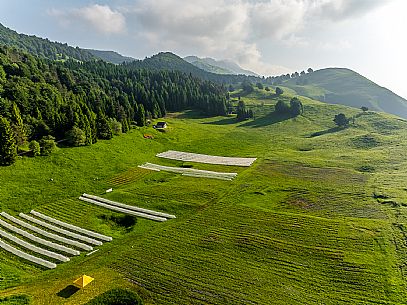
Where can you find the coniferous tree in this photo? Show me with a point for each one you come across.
(141, 116)
(8, 152)
(341, 120)
(242, 113)
(35, 148)
(18, 125)
(76, 137)
(296, 107)
(279, 91)
(104, 131)
(47, 145)
(281, 107)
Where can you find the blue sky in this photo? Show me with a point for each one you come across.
(267, 36)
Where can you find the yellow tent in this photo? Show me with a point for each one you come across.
(83, 281)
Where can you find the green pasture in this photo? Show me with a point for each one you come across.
(320, 217)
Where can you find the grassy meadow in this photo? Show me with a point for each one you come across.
(319, 218)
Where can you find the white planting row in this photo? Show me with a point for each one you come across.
(72, 227)
(34, 248)
(128, 207)
(62, 231)
(189, 171)
(125, 211)
(47, 234)
(26, 256)
(38, 240)
(208, 159)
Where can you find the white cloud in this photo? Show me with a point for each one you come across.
(99, 17)
(233, 28)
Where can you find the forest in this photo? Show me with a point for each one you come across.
(40, 98)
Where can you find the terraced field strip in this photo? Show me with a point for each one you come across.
(72, 227)
(71, 211)
(189, 171)
(26, 256)
(208, 159)
(125, 211)
(37, 239)
(306, 258)
(47, 234)
(129, 207)
(62, 231)
(131, 175)
(33, 248)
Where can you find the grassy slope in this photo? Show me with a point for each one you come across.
(110, 56)
(298, 227)
(344, 86)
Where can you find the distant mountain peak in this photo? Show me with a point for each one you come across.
(226, 66)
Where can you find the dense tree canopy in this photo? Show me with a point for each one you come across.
(41, 98)
(8, 152)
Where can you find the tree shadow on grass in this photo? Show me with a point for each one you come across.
(68, 291)
(191, 114)
(327, 131)
(225, 121)
(270, 119)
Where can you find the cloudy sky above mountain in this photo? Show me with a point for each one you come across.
(267, 36)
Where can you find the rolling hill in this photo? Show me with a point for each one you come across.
(332, 85)
(315, 220)
(110, 56)
(55, 50)
(346, 87)
(42, 47)
(218, 66)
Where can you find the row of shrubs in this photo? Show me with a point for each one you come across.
(117, 296)
(74, 137)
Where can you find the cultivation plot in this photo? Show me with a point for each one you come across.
(190, 171)
(72, 227)
(122, 210)
(34, 249)
(27, 256)
(201, 158)
(131, 175)
(224, 262)
(129, 207)
(303, 189)
(38, 240)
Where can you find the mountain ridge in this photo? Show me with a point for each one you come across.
(218, 66)
(331, 85)
(347, 87)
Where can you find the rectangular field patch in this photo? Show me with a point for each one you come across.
(208, 159)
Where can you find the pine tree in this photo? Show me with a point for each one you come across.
(141, 116)
(103, 127)
(18, 125)
(8, 152)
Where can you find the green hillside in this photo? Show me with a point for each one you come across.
(42, 47)
(55, 50)
(110, 56)
(318, 219)
(346, 87)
